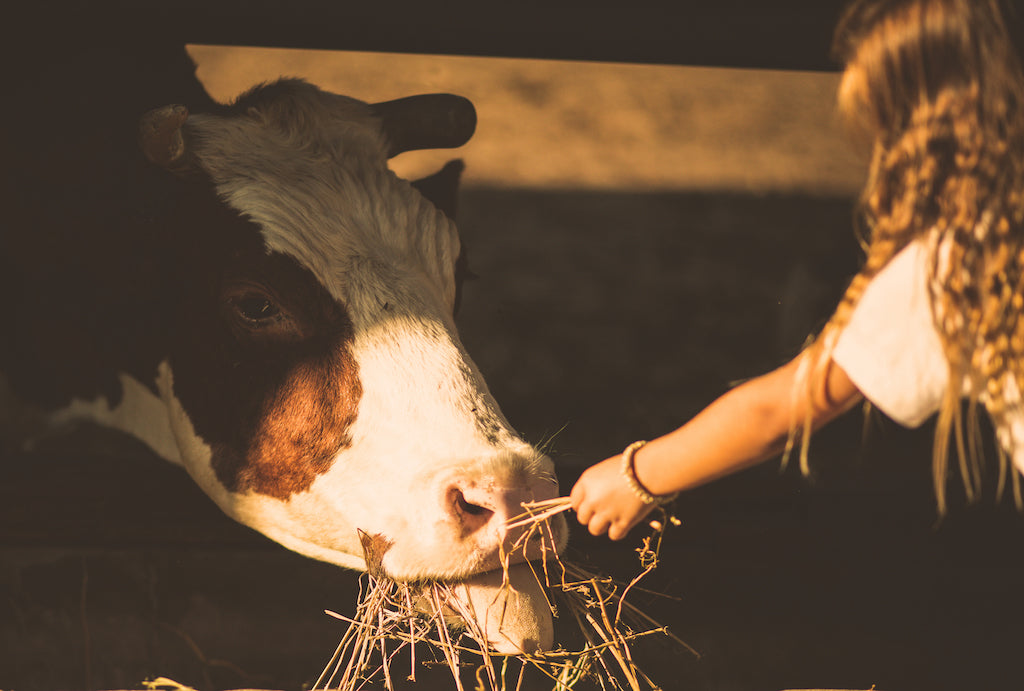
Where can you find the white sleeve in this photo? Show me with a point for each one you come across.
(890, 348)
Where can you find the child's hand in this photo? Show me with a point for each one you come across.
(603, 501)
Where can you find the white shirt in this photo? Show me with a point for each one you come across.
(892, 353)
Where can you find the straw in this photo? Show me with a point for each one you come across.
(392, 617)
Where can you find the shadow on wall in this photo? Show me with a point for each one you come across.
(598, 318)
(626, 313)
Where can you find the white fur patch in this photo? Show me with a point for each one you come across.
(140, 414)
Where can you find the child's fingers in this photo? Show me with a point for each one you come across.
(617, 531)
(576, 496)
(598, 525)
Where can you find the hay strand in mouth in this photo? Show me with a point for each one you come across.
(392, 617)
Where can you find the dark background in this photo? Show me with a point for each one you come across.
(599, 317)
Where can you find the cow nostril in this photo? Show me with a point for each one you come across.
(469, 508)
(471, 515)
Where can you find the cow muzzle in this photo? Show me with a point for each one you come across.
(481, 515)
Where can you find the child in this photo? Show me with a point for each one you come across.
(934, 315)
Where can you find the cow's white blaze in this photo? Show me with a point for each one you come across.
(428, 435)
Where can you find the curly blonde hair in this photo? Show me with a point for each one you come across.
(938, 87)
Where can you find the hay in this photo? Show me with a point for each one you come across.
(392, 617)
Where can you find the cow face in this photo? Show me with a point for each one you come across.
(315, 381)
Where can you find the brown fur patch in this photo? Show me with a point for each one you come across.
(274, 402)
(302, 425)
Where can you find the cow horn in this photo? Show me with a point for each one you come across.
(427, 121)
(160, 135)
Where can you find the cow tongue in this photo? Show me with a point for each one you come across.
(514, 619)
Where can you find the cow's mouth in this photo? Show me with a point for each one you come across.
(511, 614)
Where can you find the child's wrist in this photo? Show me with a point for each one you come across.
(638, 488)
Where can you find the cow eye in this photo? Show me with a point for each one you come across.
(256, 310)
(256, 316)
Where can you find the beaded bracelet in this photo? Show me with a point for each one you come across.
(634, 483)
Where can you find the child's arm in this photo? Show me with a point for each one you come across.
(745, 426)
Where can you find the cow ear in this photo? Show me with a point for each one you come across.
(426, 121)
(442, 188)
(161, 139)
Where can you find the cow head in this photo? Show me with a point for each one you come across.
(315, 381)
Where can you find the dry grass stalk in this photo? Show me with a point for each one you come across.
(393, 616)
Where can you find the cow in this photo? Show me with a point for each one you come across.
(251, 291)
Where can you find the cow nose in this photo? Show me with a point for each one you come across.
(478, 515)
(472, 508)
